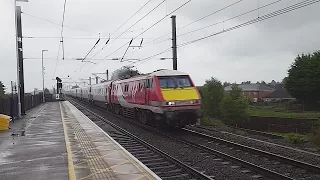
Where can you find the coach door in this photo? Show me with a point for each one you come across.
(147, 85)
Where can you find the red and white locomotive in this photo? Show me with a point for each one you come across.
(163, 96)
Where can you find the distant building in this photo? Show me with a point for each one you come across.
(267, 92)
(254, 91)
(279, 94)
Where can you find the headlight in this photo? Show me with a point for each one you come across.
(170, 103)
(195, 101)
(187, 102)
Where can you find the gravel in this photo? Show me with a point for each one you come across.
(210, 164)
(311, 158)
(281, 141)
(262, 161)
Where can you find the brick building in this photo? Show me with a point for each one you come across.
(254, 91)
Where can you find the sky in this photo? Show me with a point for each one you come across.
(259, 51)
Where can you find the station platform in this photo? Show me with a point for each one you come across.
(57, 141)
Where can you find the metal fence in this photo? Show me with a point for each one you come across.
(9, 105)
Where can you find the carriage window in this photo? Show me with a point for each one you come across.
(148, 83)
(145, 83)
(151, 83)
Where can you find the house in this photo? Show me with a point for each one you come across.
(279, 94)
(254, 91)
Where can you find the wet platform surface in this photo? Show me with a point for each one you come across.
(57, 141)
(40, 153)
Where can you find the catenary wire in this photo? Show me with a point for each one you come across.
(52, 22)
(229, 19)
(253, 21)
(144, 31)
(61, 44)
(130, 26)
(204, 17)
(132, 16)
(124, 31)
(52, 37)
(150, 27)
(94, 46)
(214, 24)
(140, 61)
(256, 20)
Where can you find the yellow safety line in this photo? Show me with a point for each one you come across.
(72, 175)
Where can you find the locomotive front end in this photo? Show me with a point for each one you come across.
(181, 100)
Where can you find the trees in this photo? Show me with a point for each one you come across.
(303, 80)
(46, 91)
(124, 72)
(246, 82)
(212, 93)
(234, 107)
(225, 84)
(2, 89)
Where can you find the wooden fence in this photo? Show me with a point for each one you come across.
(282, 125)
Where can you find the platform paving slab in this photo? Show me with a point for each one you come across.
(105, 158)
(40, 152)
(56, 141)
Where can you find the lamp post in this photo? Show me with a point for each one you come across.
(43, 98)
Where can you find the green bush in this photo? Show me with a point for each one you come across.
(295, 138)
(234, 107)
(212, 94)
(207, 121)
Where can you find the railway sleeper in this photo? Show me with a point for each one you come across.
(152, 160)
(136, 149)
(128, 141)
(141, 151)
(156, 164)
(135, 146)
(166, 168)
(142, 154)
(180, 176)
(149, 157)
(176, 172)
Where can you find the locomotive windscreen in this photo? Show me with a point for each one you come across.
(174, 82)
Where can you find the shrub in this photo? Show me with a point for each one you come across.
(207, 121)
(295, 138)
(212, 94)
(234, 107)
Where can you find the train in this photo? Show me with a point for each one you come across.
(162, 97)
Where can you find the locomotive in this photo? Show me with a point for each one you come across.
(163, 97)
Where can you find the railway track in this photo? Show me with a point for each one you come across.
(266, 167)
(290, 168)
(254, 132)
(161, 163)
(286, 151)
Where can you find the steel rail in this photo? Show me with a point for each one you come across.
(283, 159)
(257, 168)
(188, 168)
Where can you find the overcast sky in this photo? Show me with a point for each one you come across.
(261, 51)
